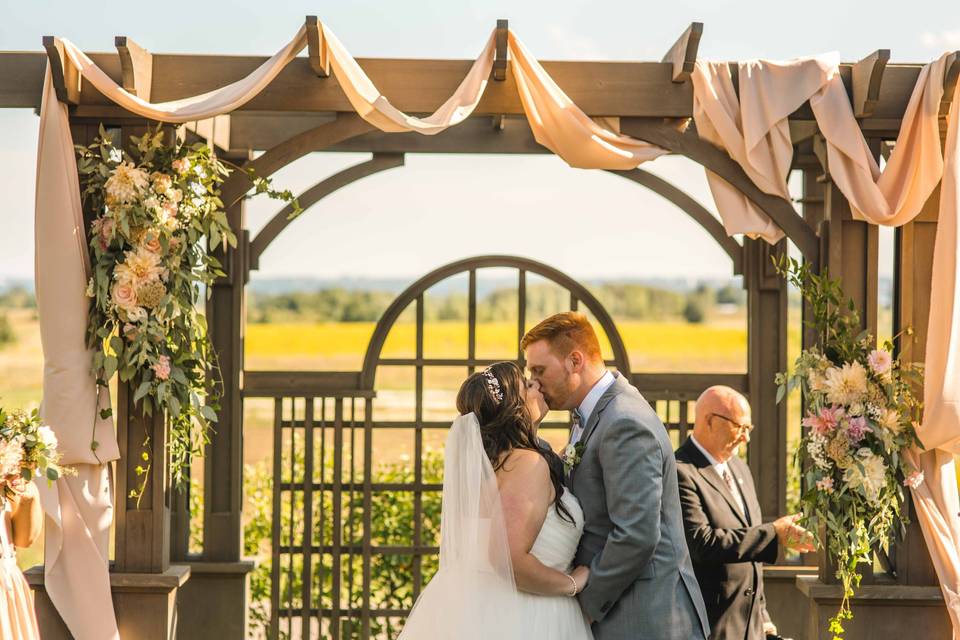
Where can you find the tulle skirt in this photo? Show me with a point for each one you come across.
(17, 618)
(480, 606)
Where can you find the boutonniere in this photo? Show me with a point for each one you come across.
(572, 454)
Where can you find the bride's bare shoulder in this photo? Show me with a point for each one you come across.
(523, 464)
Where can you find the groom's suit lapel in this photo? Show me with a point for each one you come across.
(618, 385)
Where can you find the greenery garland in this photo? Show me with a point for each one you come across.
(159, 219)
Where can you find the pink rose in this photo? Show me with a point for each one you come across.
(856, 429)
(124, 295)
(151, 242)
(914, 480)
(825, 485)
(162, 368)
(170, 209)
(880, 361)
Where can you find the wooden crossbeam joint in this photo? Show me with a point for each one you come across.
(683, 53)
(500, 57)
(867, 76)
(136, 65)
(318, 58)
(66, 77)
(950, 76)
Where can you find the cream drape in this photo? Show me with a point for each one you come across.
(79, 508)
(559, 125)
(754, 131)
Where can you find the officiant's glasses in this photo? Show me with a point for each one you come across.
(741, 427)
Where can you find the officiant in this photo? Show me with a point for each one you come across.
(727, 537)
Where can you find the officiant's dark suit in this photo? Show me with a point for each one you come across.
(728, 546)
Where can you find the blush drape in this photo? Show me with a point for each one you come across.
(79, 508)
(754, 131)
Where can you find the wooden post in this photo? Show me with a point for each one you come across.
(223, 463)
(913, 273)
(766, 356)
(142, 524)
(216, 596)
(852, 255)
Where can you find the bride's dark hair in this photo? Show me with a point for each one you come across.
(496, 396)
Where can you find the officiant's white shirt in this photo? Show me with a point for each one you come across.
(589, 403)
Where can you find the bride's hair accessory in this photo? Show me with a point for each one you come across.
(493, 385)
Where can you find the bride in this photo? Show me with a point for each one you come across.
(509, 528)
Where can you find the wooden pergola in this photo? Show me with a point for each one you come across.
(303, 111)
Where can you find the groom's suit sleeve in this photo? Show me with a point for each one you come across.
(631, 460)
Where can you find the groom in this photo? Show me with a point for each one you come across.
(642, 583)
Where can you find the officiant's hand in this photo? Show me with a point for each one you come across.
(792, 535)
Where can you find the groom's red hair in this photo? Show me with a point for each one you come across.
(566, 332)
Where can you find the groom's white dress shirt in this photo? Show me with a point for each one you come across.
(586, 407)
(724, 472)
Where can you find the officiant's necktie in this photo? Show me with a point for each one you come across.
(734, 490)
(576, 426)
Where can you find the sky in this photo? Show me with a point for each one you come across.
(441, 208)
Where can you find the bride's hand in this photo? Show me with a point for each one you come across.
(582, 575)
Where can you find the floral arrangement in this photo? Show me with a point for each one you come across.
(28, 449)
(158, 221)
(860, 414)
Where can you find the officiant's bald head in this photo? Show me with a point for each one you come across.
(722, 421)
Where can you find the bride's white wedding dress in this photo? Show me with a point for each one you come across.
(556, 617)
(473, 596)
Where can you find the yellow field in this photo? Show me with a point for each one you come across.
(652, 346)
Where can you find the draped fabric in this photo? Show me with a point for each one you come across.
(559, 125)
(79, 508)
(755, 132)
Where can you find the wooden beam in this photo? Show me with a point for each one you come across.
(136, 63)
(624, 89)
(280, 221)
(692, 208)
(688, 143)
(683, 54)
(866, 77)
(344, 127)
(66, 78)
(315, 51)
(500, 58)
(950, 76)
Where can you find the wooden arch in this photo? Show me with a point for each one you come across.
(379, 162)
(578, 294)
(384, 161)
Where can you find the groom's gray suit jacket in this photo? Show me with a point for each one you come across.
(642, 583)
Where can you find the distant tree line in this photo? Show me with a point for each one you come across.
(622, 301)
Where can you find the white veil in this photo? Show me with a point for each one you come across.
(473, 596)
